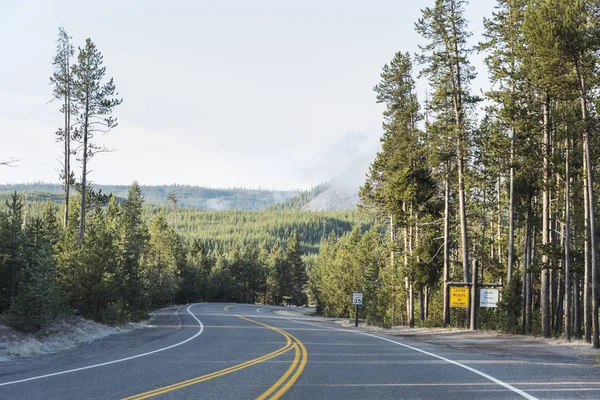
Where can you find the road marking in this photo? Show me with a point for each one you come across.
(291, 343)
(212, 375)
(201, 328)
(227, 308)
(482, 374)
(300, 360)
(258, 310)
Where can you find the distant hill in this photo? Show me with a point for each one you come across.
(299, 200)
(336, 197)
(187, 196)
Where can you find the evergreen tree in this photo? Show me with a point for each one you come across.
(132, 243)
(447, 67)
(12, 241)
(39, 299)
(162, 264)
(62, 81)
(94, 101)
(297, 270)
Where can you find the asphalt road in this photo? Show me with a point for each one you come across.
(231, 351)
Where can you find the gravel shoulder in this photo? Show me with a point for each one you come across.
(72, 332)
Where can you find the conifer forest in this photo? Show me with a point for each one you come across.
(496, 187)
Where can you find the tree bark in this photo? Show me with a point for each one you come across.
(67, 132)
(589, 189)
(84, 170)
(545, 278)
(511, 212)
(446, 249)
(577, 308)
(567, 261)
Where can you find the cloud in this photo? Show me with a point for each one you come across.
(346, 161)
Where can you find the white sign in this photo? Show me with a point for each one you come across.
(357, 299)
(488, 298)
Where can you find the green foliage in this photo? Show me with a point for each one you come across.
(39, 297)
(12, 252)
(511, 305)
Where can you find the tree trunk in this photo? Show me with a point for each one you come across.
(455, 69)
(427, 297)
(410, 304)
(499, 227)
(577, 308)
(589, 189)
(567, 261)
(545, 278)
(587, 320)
(84, 176)
(559, 306)
(421, 305)
(553, 276)
(67, 132)
(446, 248)
(511, 210)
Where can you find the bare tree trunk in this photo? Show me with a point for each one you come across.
(421, 305)
(427, 297)
(587, 318)
(577, 308)
(499, 227)
(568, 325)
(84, 174)
(559, 305)
(545, 278)
(410, 309)
(530, 253)
(526, 253)
(67, 162)
(392, 245)
(589, 189)
(511, 210)
(446, 249)
(553, 276)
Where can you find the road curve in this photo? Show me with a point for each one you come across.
(235, 351)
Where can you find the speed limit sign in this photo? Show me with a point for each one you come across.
(357, 299)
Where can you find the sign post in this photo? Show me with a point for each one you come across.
(357, 299)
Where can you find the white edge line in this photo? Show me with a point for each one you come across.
(491, 378)
(115, 361)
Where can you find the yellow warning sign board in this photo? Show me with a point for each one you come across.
(459, 296)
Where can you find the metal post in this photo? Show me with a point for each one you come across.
(474, 305)
(356, 315)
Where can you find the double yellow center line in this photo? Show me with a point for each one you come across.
(274, 392)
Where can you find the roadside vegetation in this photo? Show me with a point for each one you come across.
(512, 191)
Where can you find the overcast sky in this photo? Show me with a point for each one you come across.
(273, 94)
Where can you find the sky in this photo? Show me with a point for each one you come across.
(256, 94)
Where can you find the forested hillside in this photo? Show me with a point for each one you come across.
(133, 257)
(183, 195)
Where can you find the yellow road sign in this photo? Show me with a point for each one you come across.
(459, 296)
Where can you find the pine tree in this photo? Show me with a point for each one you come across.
(62, 81)
(297, 269)
(12, 253)
(94, 102)
(162, 263)
(39, 299)
(132, 243)
(449, 73)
